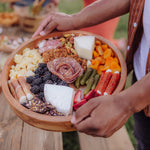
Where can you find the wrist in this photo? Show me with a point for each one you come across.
(77, 21)
(124, 102)
(138, 95)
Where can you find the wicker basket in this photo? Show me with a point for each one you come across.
(30, 24)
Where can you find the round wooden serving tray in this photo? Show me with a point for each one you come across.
(52, 123)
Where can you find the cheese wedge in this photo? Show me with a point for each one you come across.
(60, 96)
(84, 45)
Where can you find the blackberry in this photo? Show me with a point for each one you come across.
(46, 77)
(41, 95)
(47, 73)
(35, 89)
(37, 81)
(29, 79)
(39, 71)
(54, 78)
(45, 69)
(42, 87)
(55, 83)
(37, 76)
(49, 82)
(42, 65)
(59, 80)
(63, 83)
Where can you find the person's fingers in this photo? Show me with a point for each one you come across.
(49, 28)
(85, 111)
(42, 26)
(87, 126)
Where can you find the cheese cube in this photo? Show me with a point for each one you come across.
(60, 96)
(84, 45)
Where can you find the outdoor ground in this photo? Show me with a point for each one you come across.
(70, 139)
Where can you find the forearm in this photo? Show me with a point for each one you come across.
(137, 97)
(100, 11)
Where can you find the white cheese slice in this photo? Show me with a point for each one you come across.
(60, 96)
(84, 45)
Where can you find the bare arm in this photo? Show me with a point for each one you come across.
(103, 115)
(95, 13)
(101, 11)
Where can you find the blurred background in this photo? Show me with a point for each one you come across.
(70, 140)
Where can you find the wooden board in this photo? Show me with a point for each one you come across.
(52, 123)
(0, 84)
(36, 139)
(10, 127)
(17, 135)
(118, 141)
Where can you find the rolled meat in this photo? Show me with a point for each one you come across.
(66, 68)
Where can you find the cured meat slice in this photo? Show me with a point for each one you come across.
(66, 68)
(46, 45)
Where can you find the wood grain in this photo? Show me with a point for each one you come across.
(36, 139)
(17, 135)
(10, 127)
(118, 141)
(0, 84)
(52, 123)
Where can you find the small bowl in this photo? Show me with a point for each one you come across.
(51, 123)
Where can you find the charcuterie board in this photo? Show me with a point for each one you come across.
(57, 121)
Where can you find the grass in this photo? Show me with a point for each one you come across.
(70, 6)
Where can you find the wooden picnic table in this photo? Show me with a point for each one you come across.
(18, 135)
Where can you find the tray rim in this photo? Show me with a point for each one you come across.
(26, 114)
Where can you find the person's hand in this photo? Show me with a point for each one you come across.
(101, 116)
(58, 21)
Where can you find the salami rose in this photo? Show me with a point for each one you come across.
(66, 68)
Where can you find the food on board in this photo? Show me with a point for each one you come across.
(26, 63)
(84, 45)
(103, 82)
(60, 74)
(59, 96)
(67, 69)
(112, 83)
